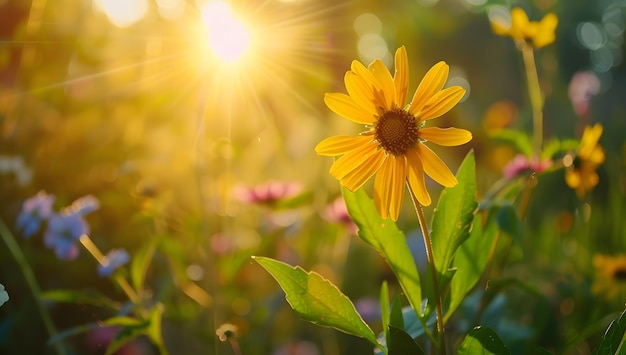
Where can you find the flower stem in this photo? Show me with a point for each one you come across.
(31, 281)
(433, 273)
(534, 94)
(121, 280)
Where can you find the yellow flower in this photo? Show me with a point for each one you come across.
(540, 34)
(610, 276)
(581, 173)
(393, 146)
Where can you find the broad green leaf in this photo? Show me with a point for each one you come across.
(482, 341)
(316, 299)
(385, 237)
(81, 297)
(140, 263)
(470, 262)
(453, 217)
(401, 343)
(614, 340)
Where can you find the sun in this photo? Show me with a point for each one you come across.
(228, 37)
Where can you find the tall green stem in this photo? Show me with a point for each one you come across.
(31, 281)
(433, 273)
(534, 94)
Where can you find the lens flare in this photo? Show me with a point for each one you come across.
(228, 37)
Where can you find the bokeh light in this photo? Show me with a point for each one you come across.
(123, 13)
(228, 37)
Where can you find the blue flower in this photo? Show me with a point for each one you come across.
(114, 259)
(63, 231)
(35, 210)
(4, 296)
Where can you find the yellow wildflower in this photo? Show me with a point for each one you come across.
(539, 34)
(393, 146)
(610, 276)
(580, 173)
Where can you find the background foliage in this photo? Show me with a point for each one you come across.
(172, 142)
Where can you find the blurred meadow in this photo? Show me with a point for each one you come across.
(183, 134)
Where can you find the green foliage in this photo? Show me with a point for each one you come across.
(470, 262)
(614, 339)
(482, 341)
(385, 237)
(401, 343)
(453, 218)
(317, 300)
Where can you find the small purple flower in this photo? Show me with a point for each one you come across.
(113, 260)
(35, 210)
(63, 231)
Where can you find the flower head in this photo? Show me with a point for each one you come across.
(580, 173)
(35, 210)
(266, 193)
(113, 260)
(63, 231)
(392, 147)
(4, 295)
(539, 34)
(610, 276)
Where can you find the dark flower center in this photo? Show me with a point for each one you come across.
(396, 131)
(620, 275)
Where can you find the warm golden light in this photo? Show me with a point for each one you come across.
(228, 37)
(123, 13)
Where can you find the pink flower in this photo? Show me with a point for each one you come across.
(267, 193)
(522, 164)
(337, 212)
(582, 87)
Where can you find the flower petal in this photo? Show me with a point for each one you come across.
(382, 191)
(432, 82)
(357, 177)
(376, 92)
(545, 31)
(445, 136)
(340, 145)
(435, 167)
(401, 77)
(346, 107)
(415, 177)
(519, 23)
(385, 82)
(397, 186)
(360, 91)
(351, 160)
(441, 102)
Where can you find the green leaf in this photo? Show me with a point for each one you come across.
(401, 343)
(518, 138)
(470, 262)
(482, 341)
(385, 237)
(139, 264)
(384, 307)
(453, 217)
(131, 328)
(154, 328)
(316, 299)
(509, 222)
(81, 297)
(614, 340)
